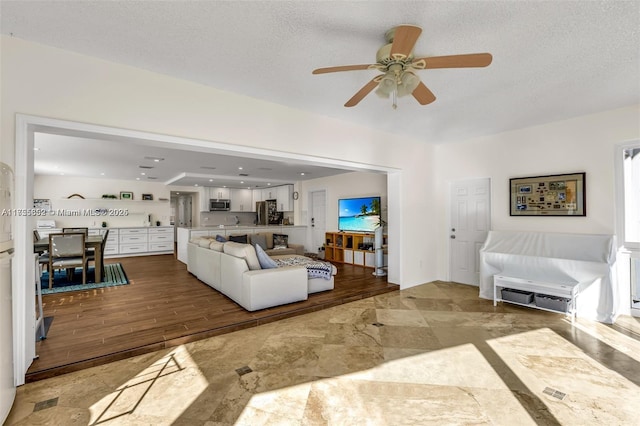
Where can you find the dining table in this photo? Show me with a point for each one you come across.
(90, 241)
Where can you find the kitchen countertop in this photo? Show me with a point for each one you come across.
(208, 228)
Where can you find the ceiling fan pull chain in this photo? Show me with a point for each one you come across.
(395, 98)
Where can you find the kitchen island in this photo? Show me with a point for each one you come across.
(297, 234)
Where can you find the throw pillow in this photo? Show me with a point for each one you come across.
(259, 240)
(238, 238)
(280, 241)
(265, 261)
(221, 239)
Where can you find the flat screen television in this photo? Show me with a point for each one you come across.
(358, 214)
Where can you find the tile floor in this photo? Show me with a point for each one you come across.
(433, 354)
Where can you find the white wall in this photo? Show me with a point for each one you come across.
(58, 188)
(48, 82)
(582, 144)
(347, 185)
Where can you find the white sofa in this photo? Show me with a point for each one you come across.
(233, 269)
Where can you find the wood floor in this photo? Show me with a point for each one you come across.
(163, 306)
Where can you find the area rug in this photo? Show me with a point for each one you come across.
(114, 275)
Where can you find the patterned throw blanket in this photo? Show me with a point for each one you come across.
(315, 269)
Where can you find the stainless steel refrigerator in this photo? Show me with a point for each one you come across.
(267, 213)
(7, 383)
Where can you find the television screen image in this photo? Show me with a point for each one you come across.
(358, 214)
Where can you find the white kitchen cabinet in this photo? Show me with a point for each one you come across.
(241, 200)
(112, 245)
(160, 239)
(219, 193)
(256, 196)
(269, 194)
(133, 240)
(284, 196)
(204, 199)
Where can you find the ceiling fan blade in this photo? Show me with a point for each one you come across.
(344, 68)
(423, 95)
(364, 91)
(404, 39)
(453, 61)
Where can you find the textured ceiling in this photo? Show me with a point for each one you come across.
(552, 60)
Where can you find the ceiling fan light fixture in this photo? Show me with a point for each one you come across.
(387, 85)
(409, 82)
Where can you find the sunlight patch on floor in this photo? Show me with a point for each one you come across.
(154, 391)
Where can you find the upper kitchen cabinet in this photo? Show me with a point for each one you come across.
(284, 196)
(220, 193)
(269, 194)
(242, 200)
(257, 196)
(204, 199)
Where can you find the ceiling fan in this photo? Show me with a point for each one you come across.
(395, 59)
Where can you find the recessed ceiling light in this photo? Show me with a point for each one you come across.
(156, 159)
(137, 178)
(36, 149)
(239, 168)
(195, 184)
(210, 180)
(268, 184)
(302, 174)
(241, 181)
(102, 174)
(142, 173)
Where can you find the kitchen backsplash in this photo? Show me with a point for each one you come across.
(232, 218)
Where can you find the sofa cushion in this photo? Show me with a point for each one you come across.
(221, 239)
(280, 241)
(204, 242)
(216, 245)
(259, 239)
(243, 251)
(239, 238)
(265, 261)
(268, 236)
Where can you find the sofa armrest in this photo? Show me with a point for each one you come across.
(271, 287)
(299, 248)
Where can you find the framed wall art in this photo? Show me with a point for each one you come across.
(553, 195)
(124, 195)
(147, 197)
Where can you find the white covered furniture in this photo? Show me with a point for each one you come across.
(584, 260)
(233, 269)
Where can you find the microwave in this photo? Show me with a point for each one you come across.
(218, 205)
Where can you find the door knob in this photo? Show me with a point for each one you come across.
(453, 237)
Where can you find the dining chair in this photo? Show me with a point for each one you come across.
(66, 251)
(92, 256)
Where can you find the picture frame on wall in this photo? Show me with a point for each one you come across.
(550, 195)
(124, 195)
(147, 197)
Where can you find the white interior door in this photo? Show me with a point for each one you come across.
(470, 222)
(318, 218)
